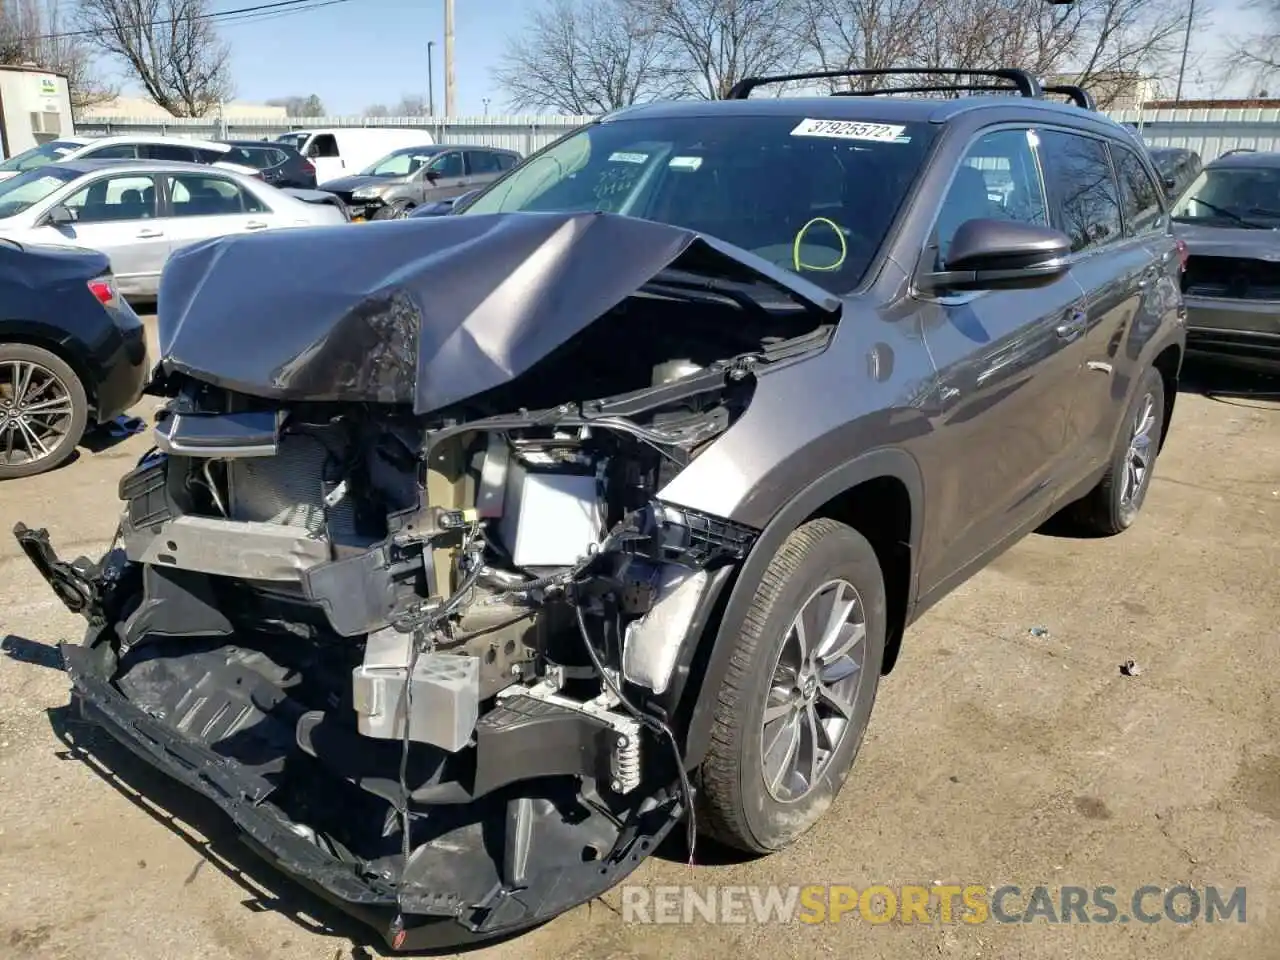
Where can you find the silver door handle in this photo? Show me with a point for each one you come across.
(1072, 328)
(255, 225)
(149, 234)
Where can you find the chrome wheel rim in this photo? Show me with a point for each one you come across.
(35, 412)
(1137, 464)
(813, 691)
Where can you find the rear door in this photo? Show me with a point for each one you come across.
(204, 205)
(1004, 384)
(117, 215)
(483, 167)
(1113, 265)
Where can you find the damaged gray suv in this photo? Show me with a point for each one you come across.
(477, 552)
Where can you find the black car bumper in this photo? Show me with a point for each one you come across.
(122, 375)
(416, 919)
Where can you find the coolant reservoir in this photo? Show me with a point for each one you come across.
(673, 370)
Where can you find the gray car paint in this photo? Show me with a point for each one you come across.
(414, 189)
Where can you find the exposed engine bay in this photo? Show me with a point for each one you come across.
(433, 666)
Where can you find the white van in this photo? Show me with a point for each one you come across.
(341, 151)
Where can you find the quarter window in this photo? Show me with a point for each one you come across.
(164, 151)
(998, 179)
(113, 199)
(1086, 201)
(194, 195)
(1139, 193)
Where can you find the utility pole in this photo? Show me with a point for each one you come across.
(448, 60)
(1186, 43)
(431, 81)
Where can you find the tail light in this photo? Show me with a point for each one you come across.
(1182, 255)
(308, 166)
(104, 290)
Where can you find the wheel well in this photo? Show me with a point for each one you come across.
(62, 353)
(1168, 362)
(880, 509)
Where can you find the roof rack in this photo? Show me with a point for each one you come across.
(1023, 82)
(1078, 95)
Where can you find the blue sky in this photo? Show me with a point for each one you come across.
(360, 52)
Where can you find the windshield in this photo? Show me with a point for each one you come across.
(27, 189)
(815, 197)
(400, 163)
(1232, 197)
(50, 152)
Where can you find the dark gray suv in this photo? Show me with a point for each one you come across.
(479, 551)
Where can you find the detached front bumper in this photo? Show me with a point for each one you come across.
(407, 920)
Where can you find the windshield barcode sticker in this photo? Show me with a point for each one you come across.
(628, 157)
(850, 130)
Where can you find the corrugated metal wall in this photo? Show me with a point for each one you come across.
(523, 134)
(1208, 132)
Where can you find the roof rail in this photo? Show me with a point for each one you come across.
(991, 88)
(1238, 150)
(1078, 95)
(1025, 84)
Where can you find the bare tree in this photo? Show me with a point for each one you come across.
(377, 110)
(1258, 52)
(1104, 45)
(709, 45)
(583, 57)
(170, 47)
(35, 31)
(310, 106)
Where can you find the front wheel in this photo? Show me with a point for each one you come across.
(794, 705)
(395, 211)
(43, 411)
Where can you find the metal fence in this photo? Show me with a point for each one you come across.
(523, 134)
(1209, 132)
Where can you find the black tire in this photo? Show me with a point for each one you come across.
(1108, 509)
(73, 426)
(737, 808)
(394, 211)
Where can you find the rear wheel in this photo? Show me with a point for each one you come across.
(794, 705)
(43, 411)
(1113, 505)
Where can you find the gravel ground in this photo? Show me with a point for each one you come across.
(997, 754)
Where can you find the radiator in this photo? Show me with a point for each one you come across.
(289, 488)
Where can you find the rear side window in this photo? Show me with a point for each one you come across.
(115, 151)
(506, 160)
(1082, 190)
(165, 151)
(1138, 192)
(998, 179)
(448, 165)
(482, 161)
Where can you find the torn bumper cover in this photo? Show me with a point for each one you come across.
(410, 916)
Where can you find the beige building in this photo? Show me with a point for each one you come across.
(141, 108)
(1114, 90)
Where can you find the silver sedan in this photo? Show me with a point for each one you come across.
(139, 212)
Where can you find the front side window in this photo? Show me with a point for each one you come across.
(1138, 192)
(20, 193)
(447, 165)
(998, 179)
(506, 161)
(1232, 196)
(46, 153)
(1086, 200)
(112, 199)
(812, 196)
(323, 145)
(196, 195)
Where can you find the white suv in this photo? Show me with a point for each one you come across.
(120, 147)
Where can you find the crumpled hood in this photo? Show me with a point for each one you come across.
(425, 312)
(1230, 241)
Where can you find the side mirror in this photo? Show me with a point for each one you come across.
(59, 216)
(1001, 255)
(432, 175)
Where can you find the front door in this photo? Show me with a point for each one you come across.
(116, 215)
(1003, 388)
(205, 205)
(447, 176)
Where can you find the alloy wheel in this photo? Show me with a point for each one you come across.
(811, 699)
(36, 412)
(1137, 464)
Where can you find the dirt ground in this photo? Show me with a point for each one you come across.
(997, 754)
